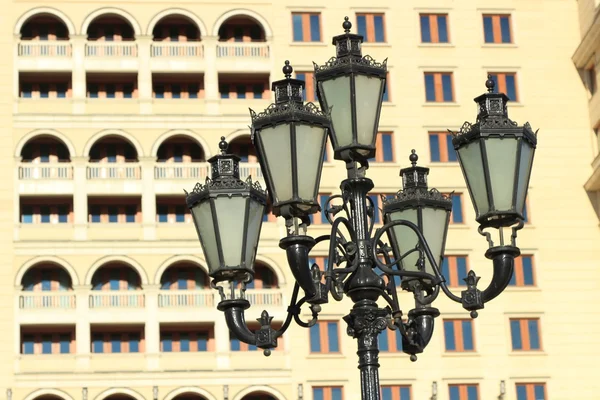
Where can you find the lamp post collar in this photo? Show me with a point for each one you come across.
(288, 90)
(348, 44)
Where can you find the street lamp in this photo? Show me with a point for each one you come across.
(495, 156)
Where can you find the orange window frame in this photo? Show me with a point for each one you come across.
(530, 389)
(370, 25)
(463, 390)
(327, 391)
(501, 78)
(379, 146)
(324, 338)
(518, 271)
(524, 331)
(306, 31)
(453, 270)
(443, 138)
(434, 30)
(459, 337)
(497, 29)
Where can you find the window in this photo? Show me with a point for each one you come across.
(378, 206)
(171, 212)
(496, 29)
(47, 343)
(390, 341)
(117, 342)
(531, 391)
(441, 147)
(464, 392)
(523, 272)
(395, 392)
(454, 269)
(434, 28)
(458, 335)
(324, 337)
(384, 147)
(250, 90)
(306, 27)
(505, 83)
(371, 27)
(456, 217)
(44, 90)
(310, 90)
(26, 89)
(224, 91)
(186, 341)
(525, 334)
(328, 393)
(438, 87)
(317, 219)
(127, 213)
(46, 214)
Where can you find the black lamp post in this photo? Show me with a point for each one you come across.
(494, 153)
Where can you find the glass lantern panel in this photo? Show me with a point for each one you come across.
(472, 166)
(203, 220)
(524, 172)
(310, 145)
(435, 223)
(255, 216)
(337, 95)
(230, 216)
(502, 160)
(406, 238)
(277, 156)
(368, 98)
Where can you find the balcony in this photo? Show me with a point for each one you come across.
(265, 297)
(53, 55)
(47, 301)
(243, 57)
(117, 299)
(176, 56)
(111, 56)
(52, 178)
(114, 178)
(185, 298)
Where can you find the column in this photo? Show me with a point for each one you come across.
(82, 327)
(222, 343)
(80, 198)
(211, 76)
(17, 201)
(152, 328)
(144, 74)
(16, 91)
(148, 198)
(78, 81)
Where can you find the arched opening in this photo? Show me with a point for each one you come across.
(110, 27)
(189, 396)
(116, 276)
(46, 277)
(258, 396)
(176, 28)
(264, 278)
(119, 396)
(242, 147)
(180, 149)
(113, 149)
(241, 28)
(184, 276)
(44, 26)
(48, 397)
(45, 149)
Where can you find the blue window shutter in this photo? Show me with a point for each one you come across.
(202, 339)
(446, 270)
(467, 328)
(521, 392)
(134, 343)
(379, 31)
(361, 26)
(28, 341)
(539, 392)
(315, 28)
(46, 344)
(425, 29)
(511, 87)
(297, 27)
(235, 344)
(449, 335)
(179, 213)
(318, 394)
(27, 215)
(184, 340)
(429, 87)
(383, 341)
(534, 334)
(442, 28)
(315, 339)
(472, 393)
(130, 212)
(527, 270)
(167, 343)
(513, 278)
(252, 347)
(455, 393)
(115, 343)
(505, 29)
(332, 337)
(398, 340)
(404, 393)
(447, 87)
(450, 149)
(515, 333)
(98, 343)
(461, 265)
(388, 151)
(65, 344)
(457, 216)
(488, 30)
(386, 393)
(336, 393)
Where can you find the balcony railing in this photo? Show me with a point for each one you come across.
(197, 171)
(51, 48)
(114, 171)
(267, 297)
(177, 49)
(47, 300)
(185, 298)
(45, 171)
(236, 49)
(110, 49)
(117, 299)
(251, 169)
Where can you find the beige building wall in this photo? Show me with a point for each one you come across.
(562, 234)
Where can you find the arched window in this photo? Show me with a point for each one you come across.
(116, 276)
(184, 276)
(110, 27)
(46, 277)
(176, 28)
(241, 28)
(44, 27)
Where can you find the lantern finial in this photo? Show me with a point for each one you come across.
(490, 84)
(223, 145)
(413, 157)
(347, 25)
(287, 69)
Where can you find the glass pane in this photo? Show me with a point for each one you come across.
(521, 392)
(534, 334)
(256, 212)
(386, 392)
(434, 147)
(527, 266)
(524, 172)
(379, 29)
(472, 393)
(515, 333)
(405, 237)
(332, 336)
(337, 97)
(540, 393)
(309, 147)
(442, 28)
(315, 339)
(277, 152)
(471, 163)
(388, 151)
(488, 30)
(318, 394)
(369, 89)
(449, 335)
(467, 328)
(447, 87)
(461, 265)
(501, 155)
(429, 87)
(202, 214)
(454, 393)
(361, 26)
(425, 29)
(505, 28)
(297, 27)
(315, 28)
(230, 217)
(434, 229)
(511, 87)
(383, 341)
(457, 214)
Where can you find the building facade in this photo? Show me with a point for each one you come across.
(111, 109)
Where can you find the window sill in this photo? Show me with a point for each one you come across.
(45, 224)
(441, 104)
(527, 353)
(376, 44)
(425, 45)
(458, 226)
(314, 44)
(499, 45)
(158, 99)
(315, 356)
(388, 104)
(390, 354)
(522, 289)
(443, 164)
(461, 354)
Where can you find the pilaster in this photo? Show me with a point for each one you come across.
(211, 75)
(148, 198)
(82, 327)
(152, 328)
(78, 81)
(80, 203)
(144, 74)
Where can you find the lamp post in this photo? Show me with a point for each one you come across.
(495, 156)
